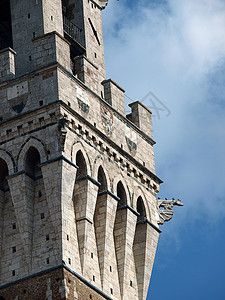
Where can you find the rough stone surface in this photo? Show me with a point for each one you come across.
(76, 174)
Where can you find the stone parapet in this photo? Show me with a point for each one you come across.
(7, 64)
(51, 48)
(141, 117)
(114, 95)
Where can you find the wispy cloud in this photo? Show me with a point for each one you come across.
(176, 49)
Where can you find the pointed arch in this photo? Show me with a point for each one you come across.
(125, 187)
(141, 209)
(31, 142)
(100, 162)
(76, 147)
(32, 161)
(81, 163)
(4, 172)
(139, 194)
(121, 193)
(102, 180)
(9, 160)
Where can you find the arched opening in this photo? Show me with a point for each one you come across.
(121, 194)
(32, 161)
(82, 167)
(3, 174)
(102, 180)
(141, 209)
(5, 25)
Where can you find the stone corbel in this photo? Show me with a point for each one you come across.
(62, 132)
(103, 3)
(165, 209)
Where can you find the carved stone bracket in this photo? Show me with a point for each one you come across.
(103, 3)
(62, 132)
(165, 209)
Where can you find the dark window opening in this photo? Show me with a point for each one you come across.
(121, 194)
(80, 162)
(32, 161)
(102, 180)
(141, 209)
(3, 174)
(5, 25)
(73, 30)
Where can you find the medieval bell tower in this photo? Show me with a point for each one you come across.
(78, 210)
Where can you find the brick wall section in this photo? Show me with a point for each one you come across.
(59, 284)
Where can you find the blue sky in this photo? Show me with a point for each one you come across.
(176, 49)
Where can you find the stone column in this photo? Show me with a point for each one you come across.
(145, 244)
(59, 177)
(124, 231)
(2, 199)
(85, 196)
(22, 193)
(104, 220)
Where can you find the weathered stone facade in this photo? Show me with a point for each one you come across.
(78, 208)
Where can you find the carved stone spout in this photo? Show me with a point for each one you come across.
(165, 209)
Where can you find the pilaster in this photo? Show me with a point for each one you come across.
(59, 177)
(22, 193)
(105, 214)
(145, 244)
(85, 196)
(2, 198)
(124, 231)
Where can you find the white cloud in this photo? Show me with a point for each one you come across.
(177, 50)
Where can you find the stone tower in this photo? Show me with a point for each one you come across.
(78, 210)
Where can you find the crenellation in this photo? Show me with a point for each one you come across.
(77, 176)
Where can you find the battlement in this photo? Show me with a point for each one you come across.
(7, 64)
(78, 208)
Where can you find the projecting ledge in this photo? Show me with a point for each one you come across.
(7, 64)
(146, 221)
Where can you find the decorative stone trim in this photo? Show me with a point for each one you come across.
(109, 193)
(89, 178)
(146, 221)
(57, 159)
(130, 208)
(84, 219)
(44, 36)
(26, 173)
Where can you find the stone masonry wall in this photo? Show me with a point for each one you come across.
(59, 284)
(74, 167)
